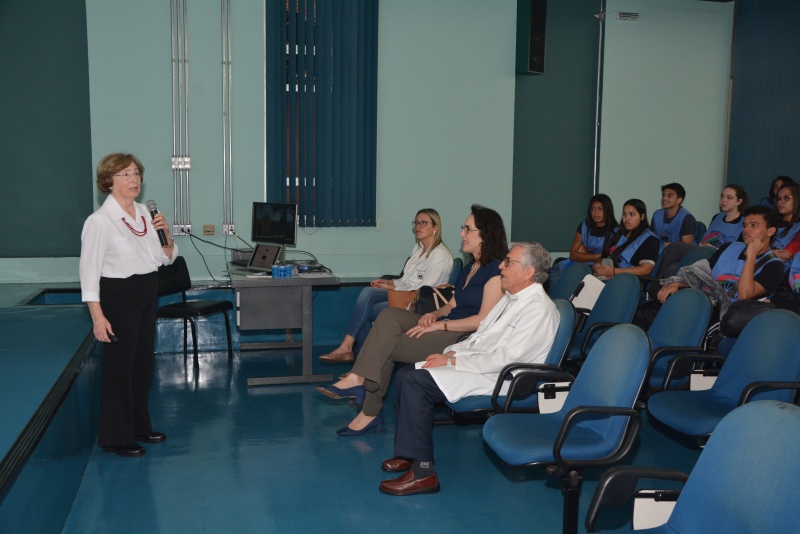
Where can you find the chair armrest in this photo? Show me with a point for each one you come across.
(562, 465)
(679, 360)
(526, 382)
(754, 387)
(389, 277)
(618, 485)
(589, 333)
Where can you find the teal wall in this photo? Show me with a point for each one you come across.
(665, 98)
(445, 130)
(446, 117)
(554, 128)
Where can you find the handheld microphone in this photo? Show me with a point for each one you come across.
(162, 236)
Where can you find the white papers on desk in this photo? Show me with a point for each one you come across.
(313, 275)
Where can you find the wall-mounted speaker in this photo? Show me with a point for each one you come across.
(531, 23)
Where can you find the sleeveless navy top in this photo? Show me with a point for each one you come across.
(469, 298)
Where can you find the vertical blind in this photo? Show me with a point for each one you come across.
(321, 101)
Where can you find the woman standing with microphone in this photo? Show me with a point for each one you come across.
(120, 257)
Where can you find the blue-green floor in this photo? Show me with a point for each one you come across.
(268, 460)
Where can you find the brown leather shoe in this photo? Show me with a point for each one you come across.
(396, 465)
(408, 485)
(338, 357)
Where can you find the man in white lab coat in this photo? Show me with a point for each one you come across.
(520, 328)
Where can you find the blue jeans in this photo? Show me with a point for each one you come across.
(368, 305)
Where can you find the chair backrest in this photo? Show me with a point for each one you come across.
(569, 281)
(700, 230)
(742, 481)
(458, 264)
(566, 329)
(612, 375)
(696, 254)
(768, 349)
(617, 302)
(682, 320)
(174, 278)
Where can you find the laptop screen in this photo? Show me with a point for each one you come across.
(264, 257)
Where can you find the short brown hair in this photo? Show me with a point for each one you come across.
(111, 165)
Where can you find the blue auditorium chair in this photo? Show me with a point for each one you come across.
(615, 305)
(764, 363)
(596, 426)
(679, 327)
(569, 281)
(487, 404)
(741, 484)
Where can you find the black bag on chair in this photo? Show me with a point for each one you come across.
(739, 314)
(430, 299)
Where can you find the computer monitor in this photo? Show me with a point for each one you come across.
(274, 223)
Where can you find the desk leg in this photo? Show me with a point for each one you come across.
(307, 351)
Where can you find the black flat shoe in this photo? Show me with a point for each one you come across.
(152, 437)
(131, 451)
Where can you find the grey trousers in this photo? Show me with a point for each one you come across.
(386, 344)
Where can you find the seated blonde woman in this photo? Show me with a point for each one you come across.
(429, 265)
(404, 336)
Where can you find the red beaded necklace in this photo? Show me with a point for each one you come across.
(134, 230)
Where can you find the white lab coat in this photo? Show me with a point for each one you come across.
(519, 329)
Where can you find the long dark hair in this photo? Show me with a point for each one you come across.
(794, 190)
(641, 208)
(608, 211)
(741, 194)
(494, 245)
(785, 180)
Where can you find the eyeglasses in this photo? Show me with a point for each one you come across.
(129, 175)
(784, 198)
(423, 224)
(508, 260)
(467, 229)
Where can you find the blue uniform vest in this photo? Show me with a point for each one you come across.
(669, 233)
(729, 267)
(794, 274)
(721, 232)
(592, 244)
(780, 241)
(624, 259)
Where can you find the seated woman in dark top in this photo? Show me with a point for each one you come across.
(592, 235)
(404, 336)
(634, 249)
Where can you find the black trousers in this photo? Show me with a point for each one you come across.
(417, 394)
(130, 305)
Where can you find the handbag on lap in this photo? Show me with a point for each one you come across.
(429, 299)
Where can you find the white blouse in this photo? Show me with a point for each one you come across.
(110, 249)
(425, 270)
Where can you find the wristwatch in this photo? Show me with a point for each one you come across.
(450, 361)
(445, 324)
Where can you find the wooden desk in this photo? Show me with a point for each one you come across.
(266, 303)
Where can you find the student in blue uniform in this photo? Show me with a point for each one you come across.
(634, 249)
(673, 223)
(776, 184)
(789, 226)
(591, 237)
(726, 226)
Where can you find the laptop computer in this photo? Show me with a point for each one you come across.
(262, 260)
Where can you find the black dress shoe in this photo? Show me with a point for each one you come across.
(132, 450)
(152, 437)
